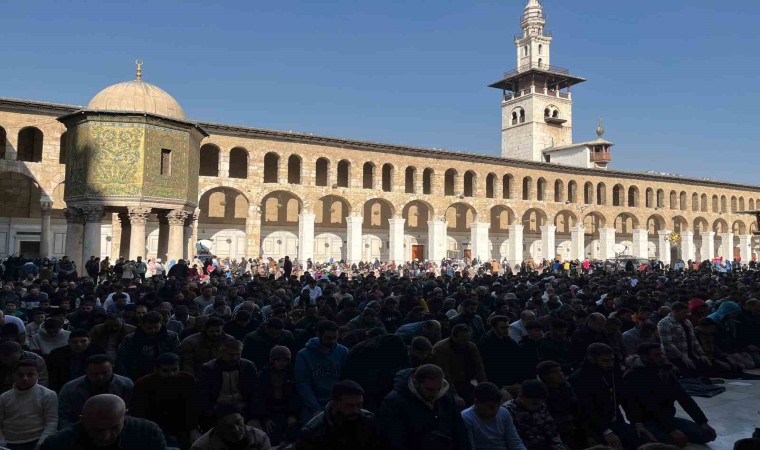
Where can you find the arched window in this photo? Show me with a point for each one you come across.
(649, 198)
(427, 181)
(321, 174)
(618, 195)
(514, 117)
(540, 62)
(343, 173)
(209, 165)
(506, 186)
(633, 197)
(695, 202)
(555, 114)
(540, 49)
(572, 192)
(723, 204)
(450, 182)
(525, 50)
(715, 204)
(410, 175)
(238, 163)
(660, 198)
(271, 167)
(559, 194)
(703, 203)
(547, 112)
(541, 189)
(741, 203)
(490, 185)
(588, 193)
(733, 204)
(30, 145)
(294, 169)
(469, 183)
(368, 176)
(673, 200)
(601, 194)
(527, 188)
(522, 115)
(683, 201)
(3, 140)
(751, 204)
(387, 177)
(63, 151)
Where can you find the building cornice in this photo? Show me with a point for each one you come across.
(288, 136)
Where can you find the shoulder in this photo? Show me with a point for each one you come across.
(122, 380)
(135, 425)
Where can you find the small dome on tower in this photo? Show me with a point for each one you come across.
(137, 96)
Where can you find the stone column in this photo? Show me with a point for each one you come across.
(727, 246)
(479, 241)
(191, 234)
(745, 248)
(74, 236)
(93, 220)
(708, 245)
(640, 243)
(252, 232)
(663, 246)
(163, 237)
(137, 218)
(548, 241)
(176, 220)
(46, 207)
(305, 236)
(515, 244)
(606, 243)
(396, 240)
(437, 240)
(354, 238)
(687, 246)
(577, 243)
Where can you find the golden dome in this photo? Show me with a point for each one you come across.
(137, 96)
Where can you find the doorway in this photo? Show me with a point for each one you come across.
(418, 252)
(29, 249)
(468, 254)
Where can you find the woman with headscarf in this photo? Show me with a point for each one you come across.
(726, 337)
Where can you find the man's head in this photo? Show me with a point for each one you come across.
(469, 307)
(98, 369)
(79, 340)
(327, 331)
(597, 322)
(213, 329)
(103, 419)
(535, 330)
(461, 335)
(500, 326)
(231, 351)
(347, 400)
(140, 311)
(488, 400)
(279, 357)
(601, 356)
(527, 316)
(647, 330)
(651, 354)
(114, 322)
(151, 323)
(420, 348)
(167, 365)
(38, 316)
(428, 381)
(274, 328)
(431, 329)
(52, 327)
(550, 372)
(230, 424)
(10, 353)
(679, 311)
(25, 374)
(533, 395)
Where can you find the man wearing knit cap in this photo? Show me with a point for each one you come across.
(276, 404)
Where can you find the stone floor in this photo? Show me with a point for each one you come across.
(733, 414)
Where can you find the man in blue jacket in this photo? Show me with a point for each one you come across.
(318, 368)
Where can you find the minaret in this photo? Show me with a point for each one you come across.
(537, 105)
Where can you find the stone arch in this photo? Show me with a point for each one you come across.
(649, 200)
(633, 197)
(377, 212)
(679, 224)
(541, 189)
(625, 223)
(683, 201)
(739, 228)
(63, 149)
(427, 181)
(734, 204)
(559, 191)
(715, 204)
(532, 220)
(322, 172)
(723, 204)
(331, 210)
(470, 183)
(588, 193)
(387, 175)
(368, 175)
(417, 213)
(527, 188)
(223, 205)
(695, 202)
(601, 194)
(564, 220)
(673, 200)
(450, 182)
(459, 216)
(280, 207)
(741, 204)
(344, 173)
(295, 164)
(507, 185)
(720, 226)
(595, 220)
(572, 192)
(618, 195)
(30, 142)
(410, 180)
(491, 185)
(20, 195)
(700, 225)
(703, 203)
(271, 167)
(501, 217)
(660, 199)
(239, 163)
(209, 162)
(655, 223)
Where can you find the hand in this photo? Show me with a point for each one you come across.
(680, 438)
(613, 441)
(643, 433)
(710, 431)
(689, 363)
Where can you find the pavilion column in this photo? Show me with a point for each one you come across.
(548, 241)
(577, 243)
(46, 207)
(606, 243)
(687, 246)
(74, 236)
(708, 245)
(306, 236)
(745, 248)
(252, 232)
(137, 218)
(354, 238)
(479, 241)
(176, 220)
(727, 246)
(163, 237)
(190, 234)
(640, 243)
(663, 246)
(437, 240)
(396, 240)
(93, 221)
(515, 244)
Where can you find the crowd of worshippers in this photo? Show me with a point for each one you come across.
(518, 361)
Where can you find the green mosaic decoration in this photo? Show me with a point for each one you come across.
(173, 186)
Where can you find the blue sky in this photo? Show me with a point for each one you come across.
(676, 81)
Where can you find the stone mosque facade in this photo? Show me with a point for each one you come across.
(129, 175)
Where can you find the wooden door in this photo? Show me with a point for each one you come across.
(418, 252)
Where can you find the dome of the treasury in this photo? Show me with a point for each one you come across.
(137, 96)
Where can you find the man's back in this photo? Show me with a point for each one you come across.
(137, 434)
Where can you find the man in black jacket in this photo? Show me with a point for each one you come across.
(343, 425)
(500, 353)
(68, 362)
(138, 351)
(594, 331)
(654, 389)
(599, 387)
(257, 345)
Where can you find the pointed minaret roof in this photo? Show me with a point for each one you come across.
(533, 15)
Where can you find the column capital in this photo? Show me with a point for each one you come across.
(707, 234)
(515, 226)
(729, 234)
(93, 213)
(354, 219)
(46, 206)
(73, 215)
(307, 215)
(138, 215)
(548, 228)
(663, 233)
(687, 234)
(177, 217)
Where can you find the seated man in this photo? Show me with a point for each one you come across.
(532, 419)
(11, 353)
(562, 403)
(49, 337)
(104, 424)
(28, 412)
(654, 389)
(343, 424)
(460, 360)
(67, 363)
(642, 333)
(231, 433)
(138, 351)
(200, 348)
(489, 425)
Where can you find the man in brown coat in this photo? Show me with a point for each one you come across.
(200, 348)
(108, 335)
(461, 362)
